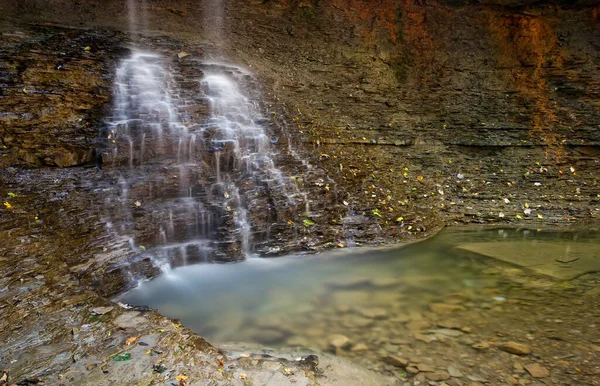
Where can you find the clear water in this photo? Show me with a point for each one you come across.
(301, 300)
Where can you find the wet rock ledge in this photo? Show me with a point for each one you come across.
(56, 327)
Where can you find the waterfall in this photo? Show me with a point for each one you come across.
(196, 171)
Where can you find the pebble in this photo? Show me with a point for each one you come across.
(359, 347)
(339, 341)
(437, 376)
(537, 371)
(448, 332)
(454, 372)
(481, 345)
(449, 324)
(396, 361)
(442, 308)
(418, 325)
(425, 368)
(425, 338)
(101, 310)
(412, 370)
(373, 313)
(514, 348)
(399, 342)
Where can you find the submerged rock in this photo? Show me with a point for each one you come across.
(514, 348)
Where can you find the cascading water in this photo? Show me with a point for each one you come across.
(194, 171)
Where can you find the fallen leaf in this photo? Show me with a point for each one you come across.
(8, 205)
(181, 377)
(88, 48)
(148, 352)
(138, 204)
(130, 340)
(243, 376)
(12, 194)
(122, 357)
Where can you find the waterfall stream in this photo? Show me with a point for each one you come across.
(196, 172)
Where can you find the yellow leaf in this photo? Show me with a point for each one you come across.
(88, 48)
(130, 340)
(8, 205)
(243, 376)
(181, 377)
(220, 369)
(148, 352)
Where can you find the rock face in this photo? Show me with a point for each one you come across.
(415, 121)
(53, 91)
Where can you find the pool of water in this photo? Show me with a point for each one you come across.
(364, 302)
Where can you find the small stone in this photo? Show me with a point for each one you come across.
(314, 332)
(359, 347)
(514, 348)
(418, 325)
(437, 376)
(448, 332)
(401, 319)
(298, 341)
(339, 341)
(399, 342)
(425, 338)
(348, 283)
(412, 370)
(373, 313)
(426, 368)
(396, 361)
(101, 310)
(454, 372)
(567, 259)
(385, 282)
(481, 345)
(442, 308)
(466, 330)
(269, 336)
(449, 324)
(537, 371)
(343, 309)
